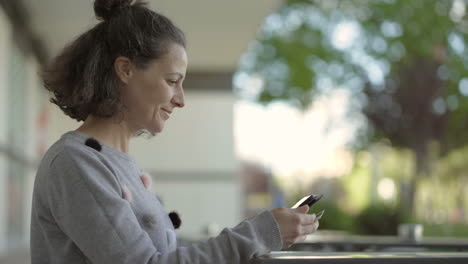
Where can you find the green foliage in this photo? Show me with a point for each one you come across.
(405, 67)
(454, 166)
(442, 199)
(397, 164)
(445, 230)
(357, 183)
(403, 62)
(334, 217)
(378, 219)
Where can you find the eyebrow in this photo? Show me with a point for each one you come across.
(181, 76)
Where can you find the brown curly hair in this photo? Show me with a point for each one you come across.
(82, 77)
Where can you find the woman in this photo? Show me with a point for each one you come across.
(122, 78)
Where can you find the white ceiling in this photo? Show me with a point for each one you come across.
(218, 31)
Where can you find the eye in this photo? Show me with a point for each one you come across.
(172, 82)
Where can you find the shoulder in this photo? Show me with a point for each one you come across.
(68, 150)
(75, 159)
(71, 161)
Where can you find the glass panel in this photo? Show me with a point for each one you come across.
(16, 138)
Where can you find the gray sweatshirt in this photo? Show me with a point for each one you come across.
(79, 215)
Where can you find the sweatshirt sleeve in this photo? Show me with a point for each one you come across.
(86, 200)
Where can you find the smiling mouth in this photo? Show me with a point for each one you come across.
(166, 113)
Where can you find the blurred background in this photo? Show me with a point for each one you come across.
(364, 101)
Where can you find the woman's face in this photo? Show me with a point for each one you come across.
(152, 93)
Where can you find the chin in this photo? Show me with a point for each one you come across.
(157, 128)
(145, 132)
(150, 131)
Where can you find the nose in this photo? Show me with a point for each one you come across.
(179, 100)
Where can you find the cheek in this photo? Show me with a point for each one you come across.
(161, 96)
(139, 104)
(149, 93)
(155, 89)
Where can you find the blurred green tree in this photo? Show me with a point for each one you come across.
(402, 62)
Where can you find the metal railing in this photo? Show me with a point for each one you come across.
(380, 243)
(361, 258)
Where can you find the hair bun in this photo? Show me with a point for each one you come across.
(105, 9)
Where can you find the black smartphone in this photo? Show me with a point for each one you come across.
(310, 200)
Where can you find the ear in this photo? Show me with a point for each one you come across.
(124, 68)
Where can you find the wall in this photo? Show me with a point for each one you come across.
(20, 101)
(5, 32)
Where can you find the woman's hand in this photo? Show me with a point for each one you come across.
(294, 224)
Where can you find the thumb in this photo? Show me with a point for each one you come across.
(302, 210)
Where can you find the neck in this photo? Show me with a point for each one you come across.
(108, 131)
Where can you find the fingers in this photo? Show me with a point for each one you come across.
(302, 231)
(295, 224)
(306, 219)
(302, 236)
(300, 239)
(309, 229)
(302, 210)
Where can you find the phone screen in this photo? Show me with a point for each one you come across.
(300, 201)
(309, 200)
